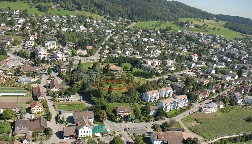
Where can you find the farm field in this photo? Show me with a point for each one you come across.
(211, 24)
(19, 99)
(11, 89)
(71, 106)
(32, 10)
(218, 124)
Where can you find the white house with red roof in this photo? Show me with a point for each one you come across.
(153, 95)
(195, 57)
(166, 92)
(173, 103)
(150, 96)
(166, 104)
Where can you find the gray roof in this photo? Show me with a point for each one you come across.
(86, 114)
(211, 105)
(21, 126)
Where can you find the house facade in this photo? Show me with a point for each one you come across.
(36, 107)
(123, 111)
(51, 44)
(209, 108)
(173, 103)
(154, 95)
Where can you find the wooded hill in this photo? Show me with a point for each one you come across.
(146, 10)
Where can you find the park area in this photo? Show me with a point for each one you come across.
(20, 5)
(219, 124)
(70, 106)
(213, 27)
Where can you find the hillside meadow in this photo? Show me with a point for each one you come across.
(213, 27)
(32, 10)
(218, 124)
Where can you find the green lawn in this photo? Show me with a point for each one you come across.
(211, 24)
(248, 142)
(12, 89)
(219, 124)
(22, 6)
(71, 106)
(19, 5)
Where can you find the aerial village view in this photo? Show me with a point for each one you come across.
(123, 72)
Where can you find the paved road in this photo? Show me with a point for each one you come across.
(57, 128)
(117, 127)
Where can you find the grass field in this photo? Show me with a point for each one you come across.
(211, 24)
(71, 106)
(219, 124)
(12, 89)
(248, 142)
(32, 10)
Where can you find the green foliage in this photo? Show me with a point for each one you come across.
(116, 140)
(191, 141)
(5, 128)
(91, 141)
(138, 140)
(48, 132)
(157, 128)
(219, 125)
(8, 114)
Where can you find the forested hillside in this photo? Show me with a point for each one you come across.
(138, 10)
(236, 23)
(144, 10)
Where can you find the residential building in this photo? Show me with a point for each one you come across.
(87, 114)
(237, 97)
(123, 111)
(61, 67)
(195, 57)
(21, 127)
(27, 139)
(37, 124)
(8, 105)
(36, 107)
(248, 100)
(29, 69)
(50, 44)
(40, 52)
(168, 137)
(166, 92)
(29, 44)
(58, 55)
(209, 108)
(166, 104)
(153, 110)
(203, 94)
(55, 86)
(84, 127)
(181, 101)
(69, 132)
(39, 93)
(151, 96)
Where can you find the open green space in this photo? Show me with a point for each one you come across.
(219, 27)
(12, 90)
(247, 142)
(20, 5)
(71, 106)
(219, 124)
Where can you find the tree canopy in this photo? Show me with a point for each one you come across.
(116, 140)
(5, 128)
(8, 114)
